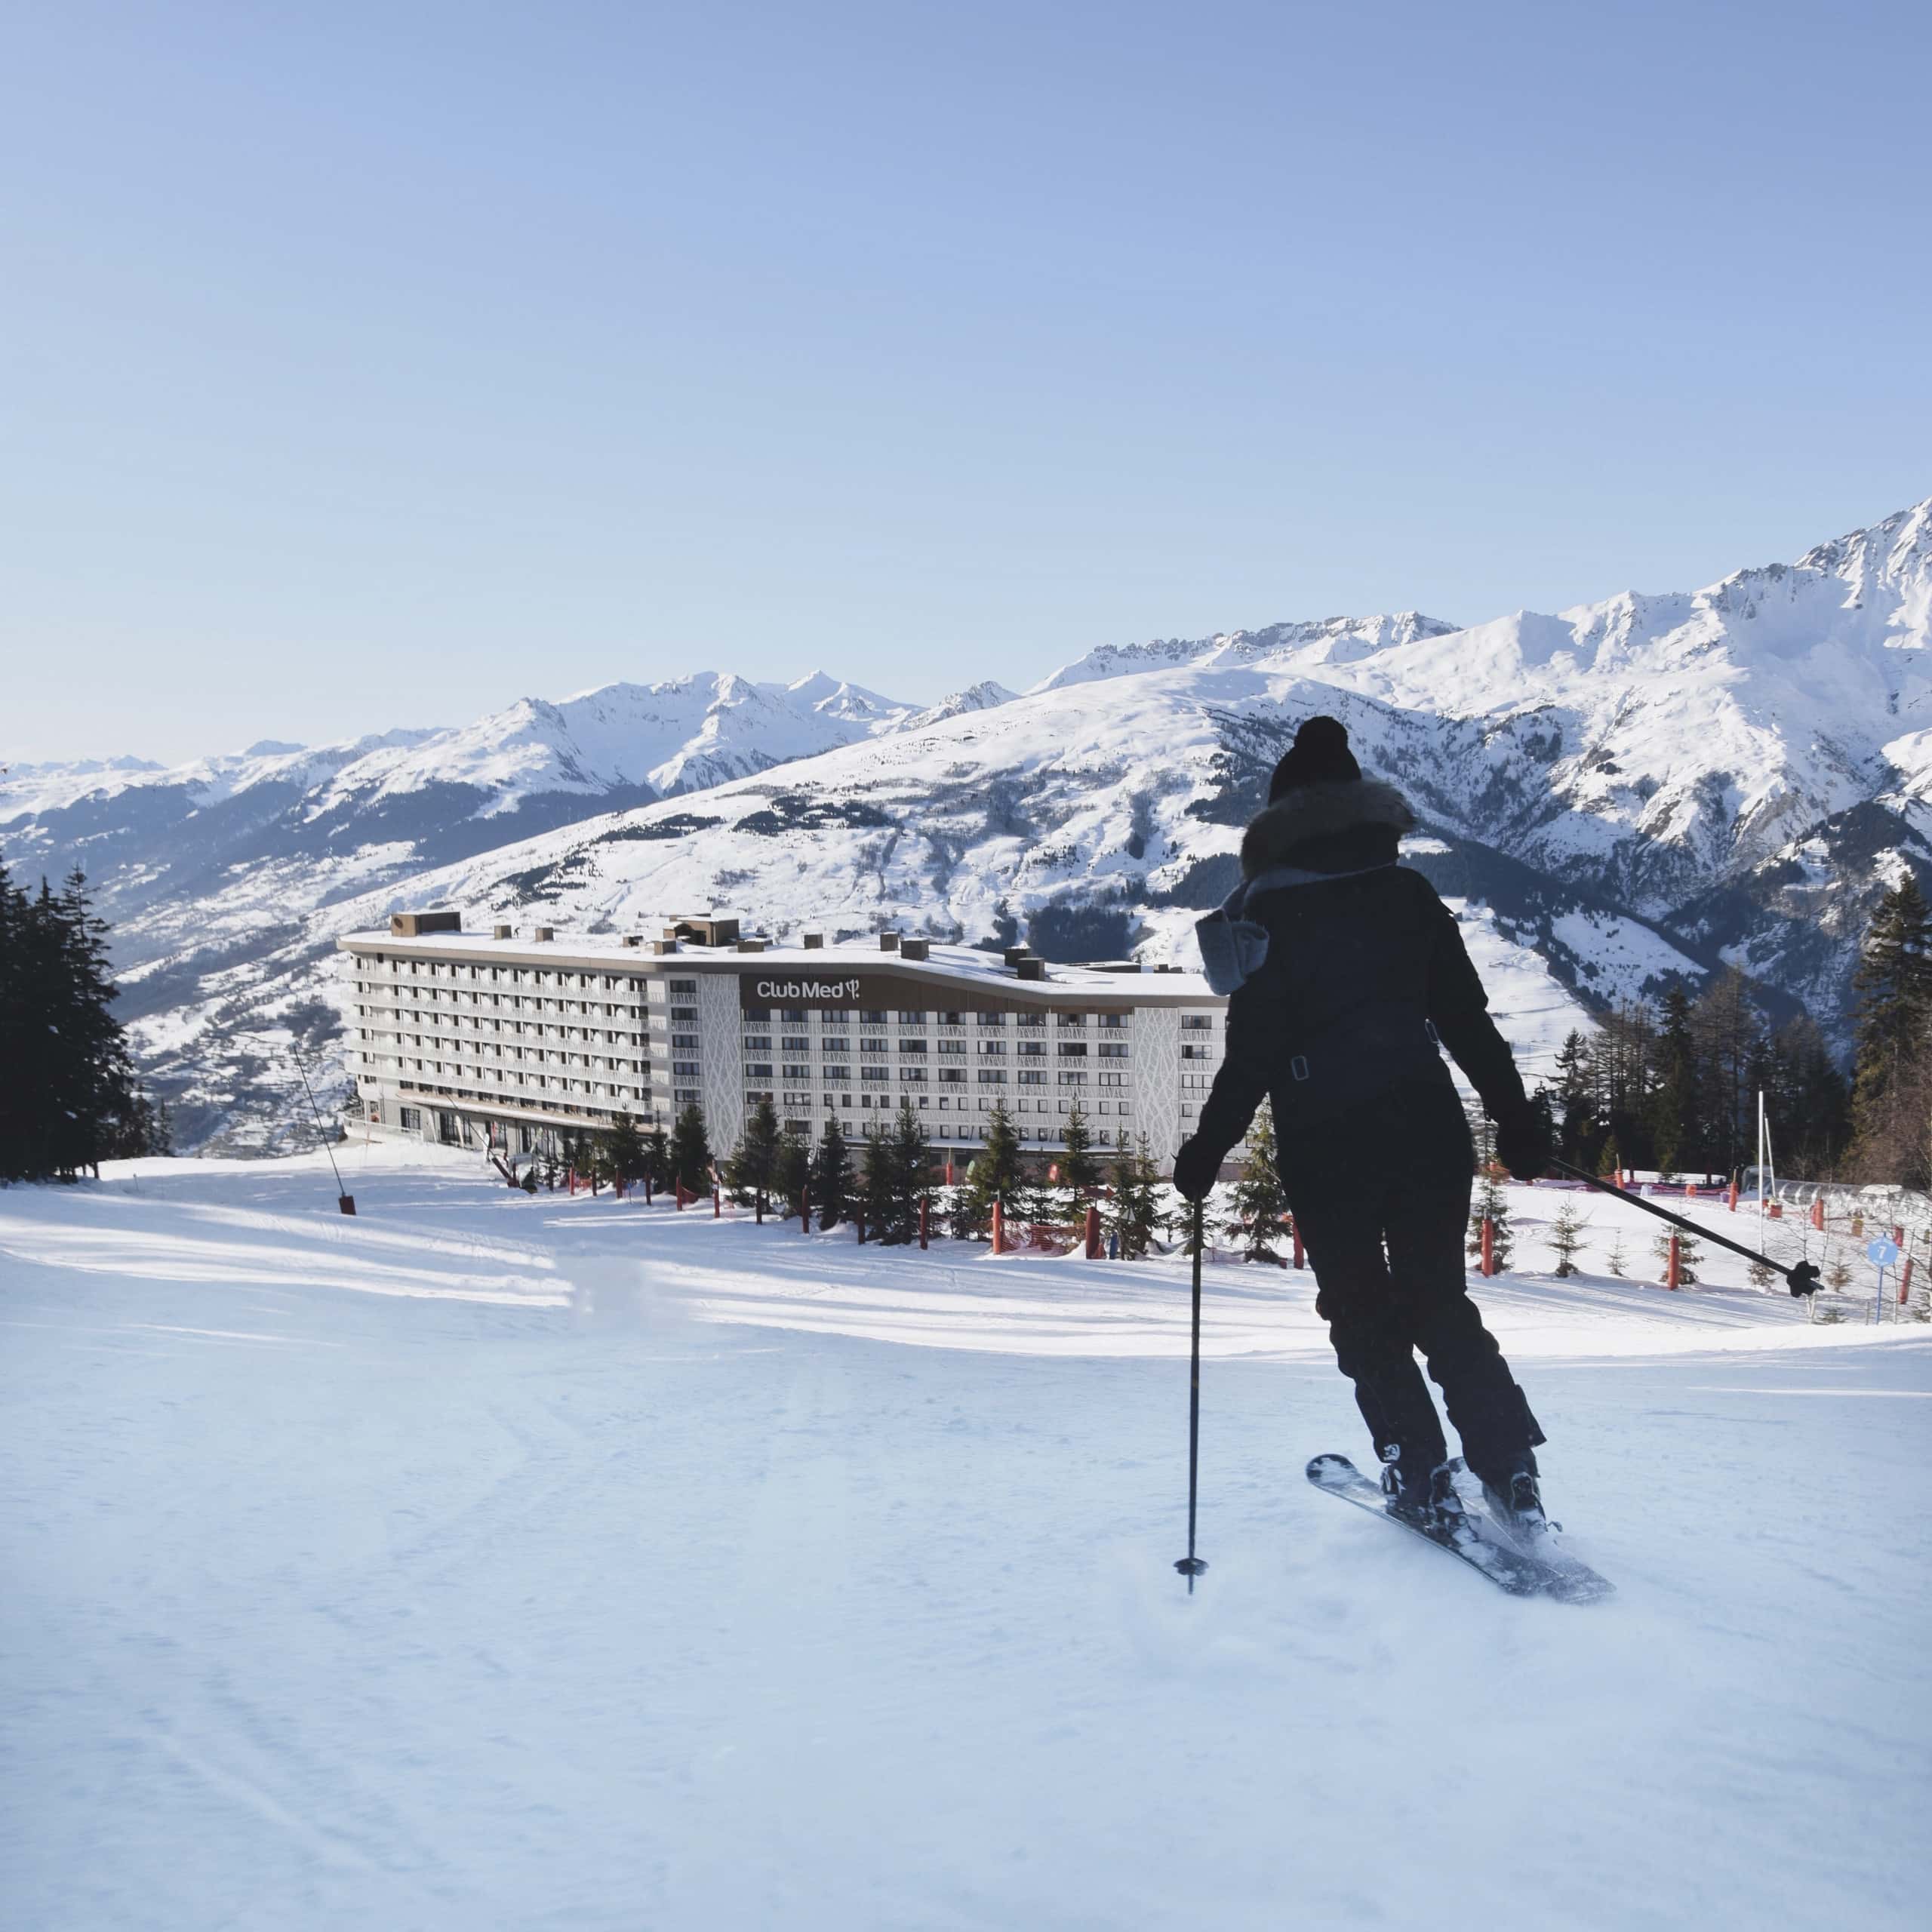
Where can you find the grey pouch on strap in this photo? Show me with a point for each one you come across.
(1234, 949)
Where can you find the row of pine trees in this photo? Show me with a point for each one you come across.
(1672, 1087)
(69, 1096)
(883, 1181)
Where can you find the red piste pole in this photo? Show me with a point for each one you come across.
(717, 1201)
(999, 1228)
(1093, 1233)
(1488, 1246)
(924, 1206)
(1294, 1228)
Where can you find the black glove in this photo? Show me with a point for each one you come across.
(1195, 1168)
(1522, 1143)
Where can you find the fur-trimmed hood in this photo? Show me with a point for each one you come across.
(1321, 812)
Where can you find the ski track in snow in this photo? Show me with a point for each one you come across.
(491, 1561)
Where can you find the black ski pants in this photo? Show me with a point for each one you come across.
(1381, 1195)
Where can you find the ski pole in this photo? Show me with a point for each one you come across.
(1801, 1280)
(1190, 1566)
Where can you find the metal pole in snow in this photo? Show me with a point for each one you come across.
(1190, 1566)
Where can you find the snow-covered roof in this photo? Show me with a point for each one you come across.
(955, 965)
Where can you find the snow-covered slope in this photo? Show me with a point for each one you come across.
(488, 1562)
(1619, 793)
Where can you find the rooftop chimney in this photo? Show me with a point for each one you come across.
(1030, 969)
(1014, 954)
(663, 945)
(633, 939)
(912, 948)
(544, 934)
(814, 942)
(888, 941)
(414, 925)
(502, 932)
(751, 946)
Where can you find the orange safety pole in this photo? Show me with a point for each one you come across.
(571, 1172)
(1488, 1246)
(1671, 1265)
(1734, 1194)
(1818, 1212)
(1904, 1281)
(1294, 1228)
(999, 1228)
(1093, 1233)
(1776, 1211)
(924, 1219)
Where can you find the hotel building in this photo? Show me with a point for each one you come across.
(511, 1037)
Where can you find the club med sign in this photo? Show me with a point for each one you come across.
(801, 991)
(877, 993)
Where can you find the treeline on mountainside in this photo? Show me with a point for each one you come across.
(1673, 1086)
(69, 1096)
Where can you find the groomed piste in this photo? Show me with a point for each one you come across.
(487, 1561)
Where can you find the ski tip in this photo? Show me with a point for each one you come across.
(1329, 1470)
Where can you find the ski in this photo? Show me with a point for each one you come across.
(1477, 1539)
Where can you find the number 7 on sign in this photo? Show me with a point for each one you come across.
(1882, 1253)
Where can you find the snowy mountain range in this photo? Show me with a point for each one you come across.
(1616, 794)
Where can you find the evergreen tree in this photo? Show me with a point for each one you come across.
(69, 1098)
(1729, 1032)
(1133, 1216)
(1675, 1109)
(755, 1161)
(658, 1159)
(624, 1151)
(1808, 1100)
(1566, 1237)
(911, 1174)
(792, 1174)
(690, 1151)
(1490, 1205)
(1613, 1256)
(876, 1185)
(998, 1172)
(1610, 1160)
(1690, 1252)
(1260, 1203)
(1079, 1169)
(1893, 982)
(832, 1174)
(1573, 1110)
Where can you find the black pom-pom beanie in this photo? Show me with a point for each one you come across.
(1320, 755)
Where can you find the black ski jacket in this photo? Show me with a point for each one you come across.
(1359, 954)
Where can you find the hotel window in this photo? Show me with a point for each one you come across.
(795, 1070)
(992, 1020)
(1035, 1076)
(757, 1069)
(1190, 1051)
(1073, 1050)
(793, 1016)
(795, 1043)
(993, 1049)
(836, 1073)
(916, 1047)
(836, 1043)
(1113, 1049)
(757, 1043)
(992, 1076)
(955, 1076)
(1197, 1022)
(871, 1018)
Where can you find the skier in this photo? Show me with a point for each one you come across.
(1345, 970)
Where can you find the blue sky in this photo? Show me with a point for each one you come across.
(369, 365)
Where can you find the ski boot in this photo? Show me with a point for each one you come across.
(1516, 1503)
(1426, 1497)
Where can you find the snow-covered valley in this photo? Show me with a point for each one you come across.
(490, 1561)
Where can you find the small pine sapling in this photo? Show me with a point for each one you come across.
(1690, 1252)
(1566, 1237)
(1613, 1256)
